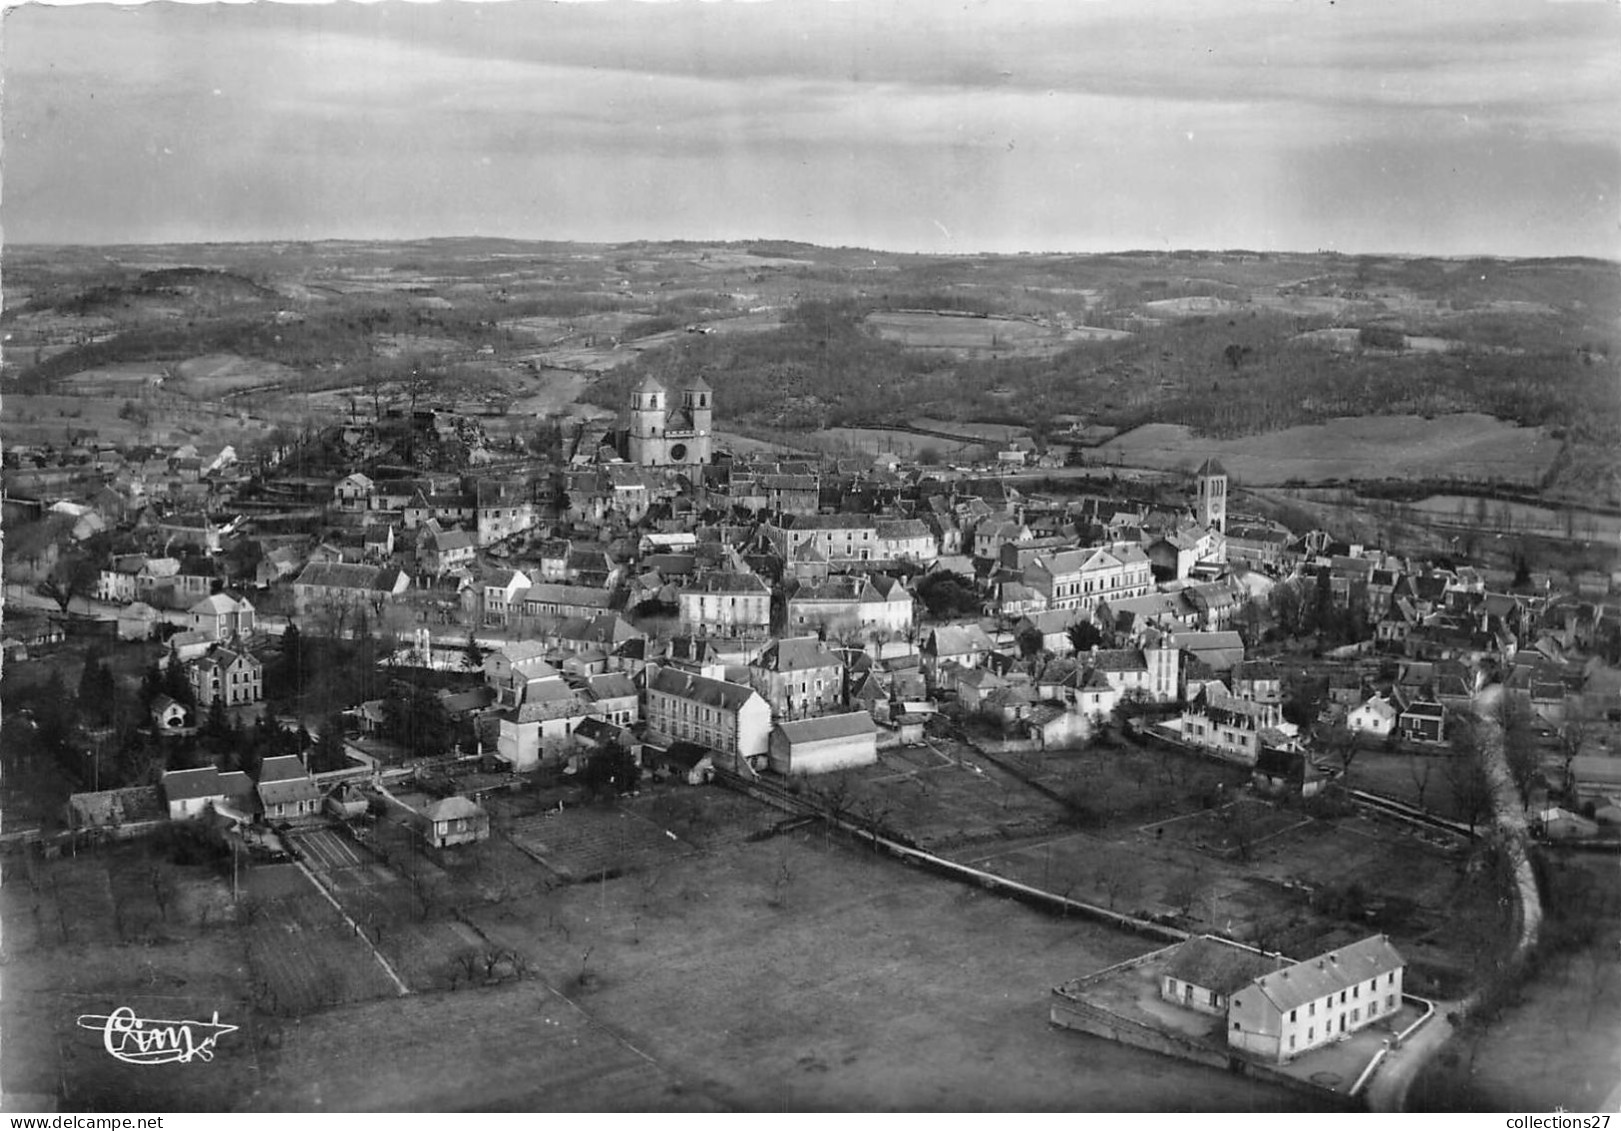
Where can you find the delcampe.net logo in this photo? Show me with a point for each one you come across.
(140, 1040)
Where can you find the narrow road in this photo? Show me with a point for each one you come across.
(1387, 1091)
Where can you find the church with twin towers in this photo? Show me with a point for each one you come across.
(666, 430)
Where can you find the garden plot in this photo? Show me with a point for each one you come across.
(1235, 830)
(939, 807)
(584, 843)
(303, 954)
(303, 961)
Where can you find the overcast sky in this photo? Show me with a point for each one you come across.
(1441, 127)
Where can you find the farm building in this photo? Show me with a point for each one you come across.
(190, 792)
(455, 820)
(831, 742)
(135, 621)
(1206, 971)
(117, 810)
(688, 761)
(346, 801)
(1595, 776)
(1562, 824)
(1284, 768)
(1285, 1013)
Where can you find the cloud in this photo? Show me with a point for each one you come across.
(1010, 124)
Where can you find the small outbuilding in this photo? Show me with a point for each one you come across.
(169, 714)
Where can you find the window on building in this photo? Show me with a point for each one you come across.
(1291, 1044)
(1342, 997)
(1390, 1001)
(1292, 1013)
(1215, 999)
(1311, 1033)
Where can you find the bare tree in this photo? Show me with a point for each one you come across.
(1572, 734)
(1185, 891)
(1241, 827)
(1115, 881)
(163, 889)
(782, 879)
(1342, 747)
(73, 575)
(1421, 769)
(1471, 789)
(466, 962)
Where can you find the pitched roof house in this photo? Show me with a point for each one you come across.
(1284, 1013)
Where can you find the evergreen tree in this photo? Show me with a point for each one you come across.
(87, 678)
(217, 726)
(175, 684)
(151, 685)
(329, 752)
(290, 668)
(53, 716)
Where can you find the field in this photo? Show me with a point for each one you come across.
(1460, 445)
(796, 973)
(991, 433)
(800, 975)
(714, 955)
(1158, 832)
(1227, 345)
(906, 445)
(939, 802)
(971, 336)
(53, 419)
(220, 375)
(579, 844)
